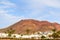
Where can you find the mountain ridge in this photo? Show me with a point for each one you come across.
(32, 25)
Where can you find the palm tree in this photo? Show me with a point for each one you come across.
(58, 32)
(43, 37)
(54, 30)
(54, 35)
(14, 36)
(10, 32)
(39, 35)
(27, 31)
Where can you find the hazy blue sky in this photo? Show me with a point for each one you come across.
(12, 11)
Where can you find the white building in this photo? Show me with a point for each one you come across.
(3, 35)
(36, 35)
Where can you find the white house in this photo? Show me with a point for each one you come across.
(36, 35)
(16, 36)
(3, 35)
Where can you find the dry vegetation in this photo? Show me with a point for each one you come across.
(25, 39)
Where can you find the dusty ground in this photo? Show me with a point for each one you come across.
(25, 39)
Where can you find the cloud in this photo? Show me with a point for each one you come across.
(51, 3)
(37, 7)
(7, 4)
(34, 9)
(55, 14)
(39, 3)
(6, 18)
(44, 9)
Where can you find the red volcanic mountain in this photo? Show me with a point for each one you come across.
(32, 25)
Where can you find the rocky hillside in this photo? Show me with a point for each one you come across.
(32, 25)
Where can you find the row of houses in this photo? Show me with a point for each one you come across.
(35, 35)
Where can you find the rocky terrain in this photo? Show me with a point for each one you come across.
(32, 25)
